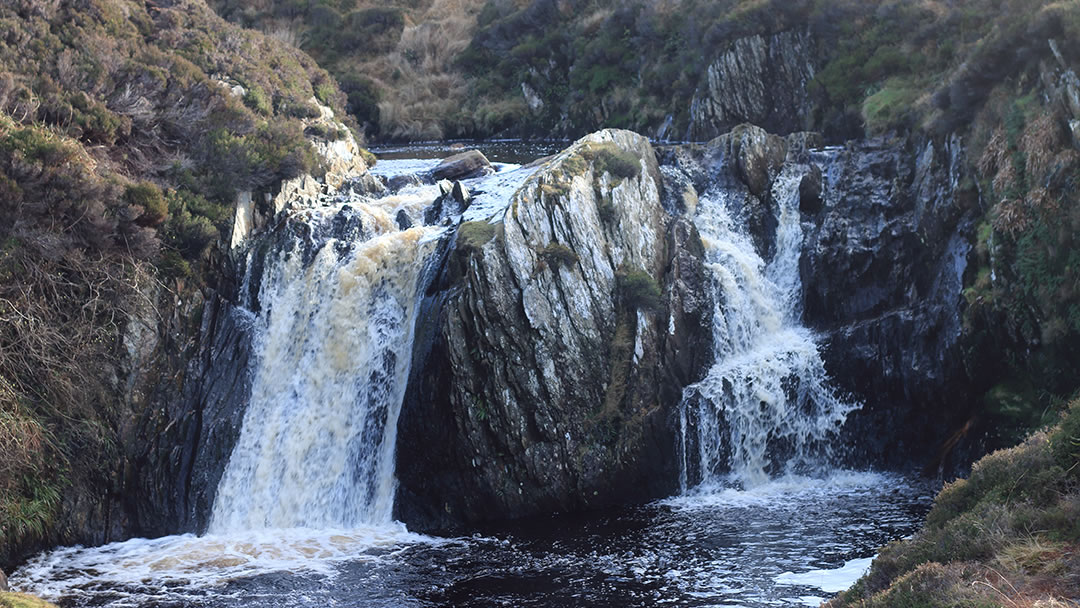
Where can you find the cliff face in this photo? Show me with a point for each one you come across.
(565, 335)
(883, 274)
(761, 80)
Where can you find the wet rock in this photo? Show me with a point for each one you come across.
(402, 219)
(542, 389)
(810, 186)
(399, 182)
(452, 202)
(800, 145)
(758, 155)
(882, 272)
(464, 165)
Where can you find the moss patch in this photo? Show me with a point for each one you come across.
(474, 235)
(22, 600)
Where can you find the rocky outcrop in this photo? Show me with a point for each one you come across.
(342, 161)
(882, 272)
(565, 334)
(761, 80)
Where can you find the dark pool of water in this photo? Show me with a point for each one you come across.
(784, 544)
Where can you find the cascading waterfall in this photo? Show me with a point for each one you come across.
(765, 406)
(333, 351)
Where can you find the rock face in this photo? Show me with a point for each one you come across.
(548, 385)
(882, 272)
(761, 80)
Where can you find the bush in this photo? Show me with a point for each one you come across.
(557, 254)
(257, 100)
(639, 290)
(148, 197)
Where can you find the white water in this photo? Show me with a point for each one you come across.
(765, 406)
(333, 350)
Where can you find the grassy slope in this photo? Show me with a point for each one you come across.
(1009, 535)
(121, 151)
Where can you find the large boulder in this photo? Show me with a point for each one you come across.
(464, 165)
(566, 334)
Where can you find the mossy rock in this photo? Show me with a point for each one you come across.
(474, 235)
(22, 600)
(610, 158)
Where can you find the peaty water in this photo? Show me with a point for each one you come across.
(789, 542)
(303, 512)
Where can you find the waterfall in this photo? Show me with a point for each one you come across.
(765, 406)
(333, 350)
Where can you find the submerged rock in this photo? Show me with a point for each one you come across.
(464, 165)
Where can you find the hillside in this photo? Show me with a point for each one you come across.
(126, 131)
(1006, 536)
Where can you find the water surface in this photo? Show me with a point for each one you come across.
(790, 542)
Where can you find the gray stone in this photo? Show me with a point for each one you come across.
(540, 390)
(3, 582)
(759, 79)
(404, 222)
(471, 163)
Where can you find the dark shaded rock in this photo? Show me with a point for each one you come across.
(452, 202)
(810, 186)
(882, 272)
(399, 182)
(464, 165)
(402, 220)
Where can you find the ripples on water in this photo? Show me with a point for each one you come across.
(785, 543)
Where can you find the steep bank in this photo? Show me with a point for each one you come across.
(128, 132)
(1006, 535)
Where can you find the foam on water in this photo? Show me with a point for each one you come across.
(829, 580)
(188, 568)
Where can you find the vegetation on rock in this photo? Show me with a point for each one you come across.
(22, 600)
(474, 235)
